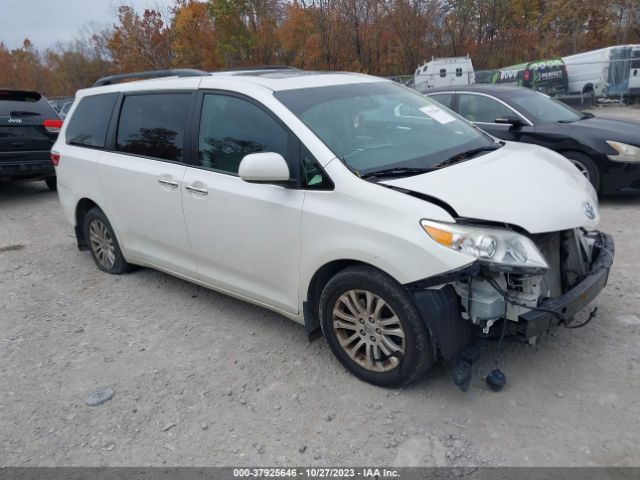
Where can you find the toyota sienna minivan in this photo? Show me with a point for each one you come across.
(348, 203)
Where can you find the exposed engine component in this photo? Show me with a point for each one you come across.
(568, 254)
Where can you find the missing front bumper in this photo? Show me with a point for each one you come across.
(536, 322)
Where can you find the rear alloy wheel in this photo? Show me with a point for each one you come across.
(52, 183)
(586, 166)
(374, 328)
(103, 243)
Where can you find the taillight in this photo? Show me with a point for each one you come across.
(55, 158)
(526, 75)
(52, 126)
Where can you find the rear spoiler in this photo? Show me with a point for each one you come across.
(179, 72)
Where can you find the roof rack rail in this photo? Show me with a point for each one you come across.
(178, 72)
(264, 67)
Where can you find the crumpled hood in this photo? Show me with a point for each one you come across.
(519, 184)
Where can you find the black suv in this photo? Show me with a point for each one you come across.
(29, 127)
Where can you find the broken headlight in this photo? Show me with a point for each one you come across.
(498, 249)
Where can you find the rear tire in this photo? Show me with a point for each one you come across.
(103, 243)
(374, 328)
(587, 167)
(52, 183)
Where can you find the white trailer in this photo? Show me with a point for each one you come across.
(442, 72)
(603, 73)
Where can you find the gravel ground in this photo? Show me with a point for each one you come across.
(203, 379)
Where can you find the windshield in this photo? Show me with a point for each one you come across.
(379, 126)
(542, 108)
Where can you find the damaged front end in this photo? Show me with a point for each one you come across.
(520, 286)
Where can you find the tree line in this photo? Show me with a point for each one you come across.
(380, 37)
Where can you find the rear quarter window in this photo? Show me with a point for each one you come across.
(90, 120)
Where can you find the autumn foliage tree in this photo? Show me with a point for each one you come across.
(193, 37)
(380, 37)
(140, 42)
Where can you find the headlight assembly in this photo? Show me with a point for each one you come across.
(626, 153)
(497, 249)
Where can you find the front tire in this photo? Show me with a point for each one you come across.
(103, 243)
(587, 167)
(374, 328)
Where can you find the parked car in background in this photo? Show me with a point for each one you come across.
(605, 150)
(64, 110)
(605, 73)
(338, 200)
(440, 72)
(59, 102)
(28, 128)
(547, 76)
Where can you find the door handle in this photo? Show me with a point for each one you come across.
(168, 183)
(200, 191)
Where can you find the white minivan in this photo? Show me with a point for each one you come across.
(348, 203)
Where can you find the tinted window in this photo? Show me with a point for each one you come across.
(153, 125)
(89, 122)
(478, 108)
(458, 72)
(444, 98)
(17, 103)
(443, 72)
(231, 128)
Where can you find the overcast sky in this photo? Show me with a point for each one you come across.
(45, 22)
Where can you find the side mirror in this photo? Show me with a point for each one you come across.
(513, 120)
(264, 167)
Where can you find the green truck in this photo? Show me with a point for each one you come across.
(547, 76)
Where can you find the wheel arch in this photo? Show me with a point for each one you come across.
(318, 280)
(588, 87)
(82, 208)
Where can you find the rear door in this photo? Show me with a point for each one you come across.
(141, 178)
(25, 138)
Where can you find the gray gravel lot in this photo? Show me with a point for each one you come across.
(203, 379)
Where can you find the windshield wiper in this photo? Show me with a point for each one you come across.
(396, 172)
(459, 157)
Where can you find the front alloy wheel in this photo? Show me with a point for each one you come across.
(368, 330)
(374, 328)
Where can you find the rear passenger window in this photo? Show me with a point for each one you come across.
(88, 124)
(231, 128)
(153, 125)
